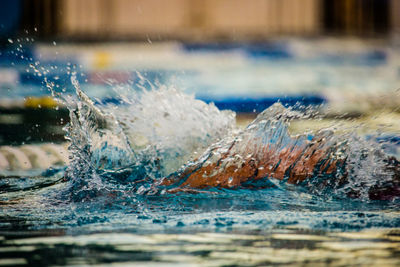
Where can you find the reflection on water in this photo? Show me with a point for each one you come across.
(276, 247)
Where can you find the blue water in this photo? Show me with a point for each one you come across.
(113, 178)
(46, 203)
(124, 142)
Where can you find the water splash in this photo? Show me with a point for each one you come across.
(150, 134)
(154, 141)
(132, 165)
(328, 164)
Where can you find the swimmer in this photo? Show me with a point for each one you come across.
(265, 152)
(249, 161)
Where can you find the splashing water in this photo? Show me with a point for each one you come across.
(148, 135)
(139, 163)
(331, 165)
(154, 142)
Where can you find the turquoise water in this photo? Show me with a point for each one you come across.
(109, 204)
(42, 225)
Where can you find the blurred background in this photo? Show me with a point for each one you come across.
(341, 57)
(200, 20)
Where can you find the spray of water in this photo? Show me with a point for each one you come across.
(148, 135)
(329, 164)
(161, 138)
